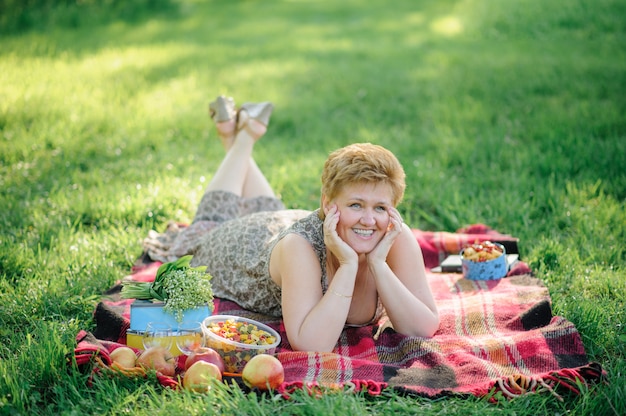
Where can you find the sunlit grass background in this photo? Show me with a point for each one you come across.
(506, 113)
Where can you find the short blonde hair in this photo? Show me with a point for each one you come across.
(362, 163)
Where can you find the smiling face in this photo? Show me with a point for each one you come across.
(363, 219)
(362, 163)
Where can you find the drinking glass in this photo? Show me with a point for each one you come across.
(189, 337)
(157, 334)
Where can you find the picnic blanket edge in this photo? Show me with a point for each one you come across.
(564, 379)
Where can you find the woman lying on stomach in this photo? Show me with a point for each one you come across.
(342, 265)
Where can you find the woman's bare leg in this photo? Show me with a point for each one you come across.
(232, 172)
(238, 173)
(256, 183)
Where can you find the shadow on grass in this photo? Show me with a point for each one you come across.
(18, 16)
(386, 77)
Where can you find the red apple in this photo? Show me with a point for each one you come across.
(200, 375)
(160, 359)
(264, 372)
(124, 357)
(206, 354)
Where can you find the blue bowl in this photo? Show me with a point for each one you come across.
(485, 270)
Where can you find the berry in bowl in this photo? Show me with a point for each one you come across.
(484, 261)
(238, 339)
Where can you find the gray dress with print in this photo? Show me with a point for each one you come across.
(234, 238)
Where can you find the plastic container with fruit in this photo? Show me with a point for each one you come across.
(238, 339)
(484, 261)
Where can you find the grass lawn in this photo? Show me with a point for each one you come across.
(510, 113)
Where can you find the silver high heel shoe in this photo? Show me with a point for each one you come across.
(259, 112)
(222, 109)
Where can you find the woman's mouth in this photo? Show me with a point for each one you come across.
(363, 233)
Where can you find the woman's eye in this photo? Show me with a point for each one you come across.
(355, 205)
(381, 209)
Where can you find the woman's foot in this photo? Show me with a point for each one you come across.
(253, 118)
(223, 113)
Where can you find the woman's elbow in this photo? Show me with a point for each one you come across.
(425, 328)
(310, 345)
(432, 327)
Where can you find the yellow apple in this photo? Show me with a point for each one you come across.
(200, 375)
(264, 372)
(160, 359)
(124, 357)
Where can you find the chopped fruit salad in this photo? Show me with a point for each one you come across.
(245, 333)
(481, 252)
(237, 342)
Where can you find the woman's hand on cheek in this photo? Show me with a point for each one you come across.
(334, 243)
(396, 225)
(396, 220)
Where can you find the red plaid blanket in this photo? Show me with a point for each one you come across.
(495, 336)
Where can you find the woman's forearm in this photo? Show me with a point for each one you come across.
(323, 325)
(410, 314)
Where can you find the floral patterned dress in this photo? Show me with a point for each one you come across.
(234, 238)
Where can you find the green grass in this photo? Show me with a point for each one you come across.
(507, 113)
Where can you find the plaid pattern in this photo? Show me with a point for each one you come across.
(491, 331)
(436, 245)
(495, 336)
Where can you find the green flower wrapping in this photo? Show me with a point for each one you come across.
(177, 284)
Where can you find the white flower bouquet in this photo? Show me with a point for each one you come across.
(177, 284)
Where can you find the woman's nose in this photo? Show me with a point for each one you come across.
(368, 218)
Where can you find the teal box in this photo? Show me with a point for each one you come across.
(144, 311)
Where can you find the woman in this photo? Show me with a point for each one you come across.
(342, 264)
